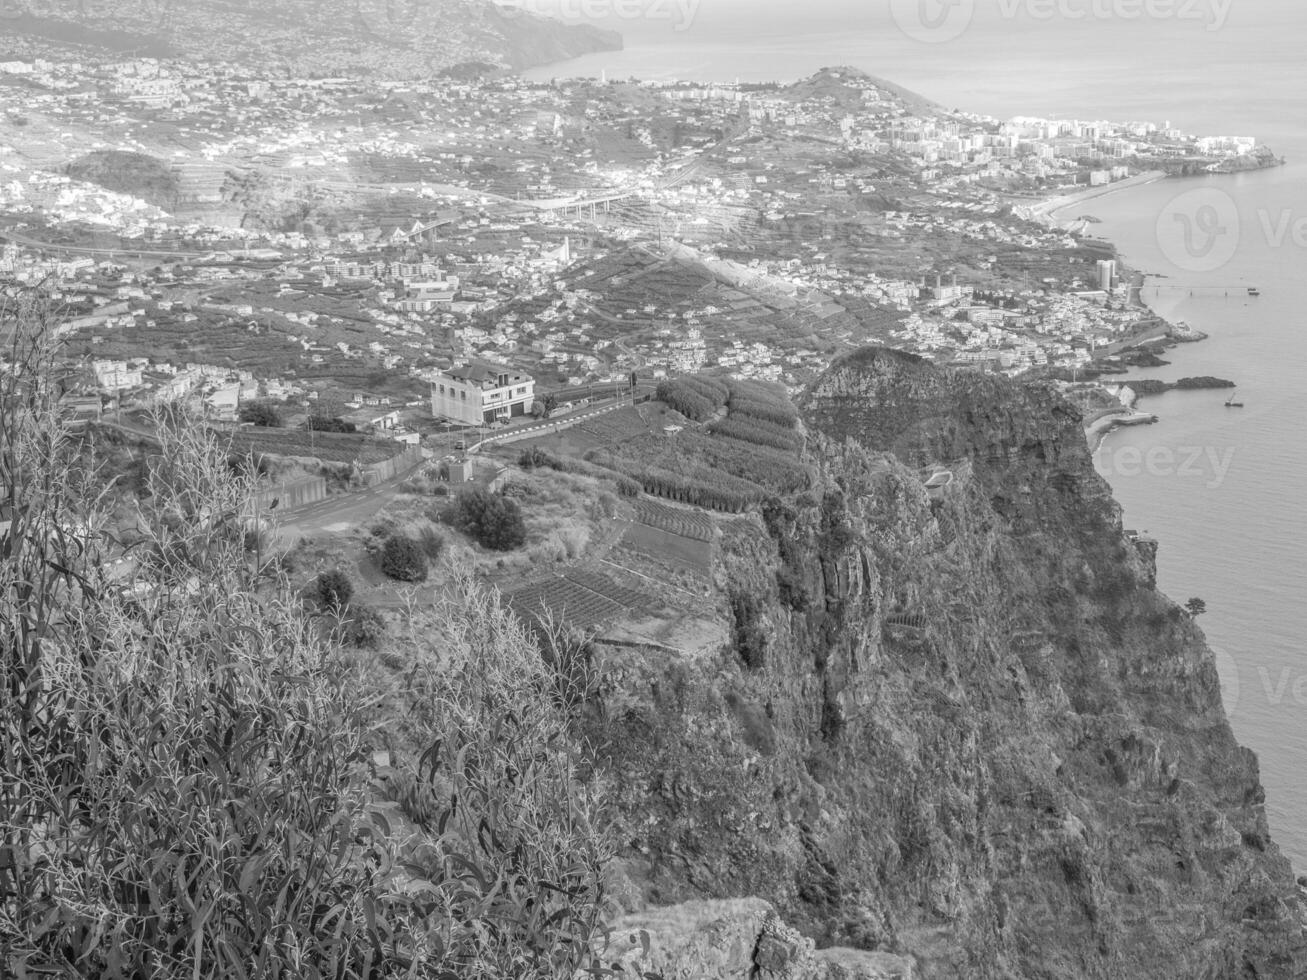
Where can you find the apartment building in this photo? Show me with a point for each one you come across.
(479, 392)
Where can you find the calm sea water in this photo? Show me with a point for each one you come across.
(1222, 488)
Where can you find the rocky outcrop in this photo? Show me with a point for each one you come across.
(738, 940)
(956, 724)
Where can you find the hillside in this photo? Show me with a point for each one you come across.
(315, 38)
(958, 726)
(842, 85)
(136, 174)
(877, 688)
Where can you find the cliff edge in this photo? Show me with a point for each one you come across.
(957, 725)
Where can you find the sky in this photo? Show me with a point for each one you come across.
(1092, 21)
(1206, 62)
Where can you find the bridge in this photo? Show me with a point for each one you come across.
(564, 206)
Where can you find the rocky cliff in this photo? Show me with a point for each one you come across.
(957, 725)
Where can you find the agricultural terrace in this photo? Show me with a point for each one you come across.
(746, 448)
(720, 444)
(583, 599)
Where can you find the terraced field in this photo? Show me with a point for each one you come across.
(695, 525)
(580, 598)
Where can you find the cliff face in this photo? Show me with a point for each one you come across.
(959, 726)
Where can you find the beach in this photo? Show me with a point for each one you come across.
(1049, 208)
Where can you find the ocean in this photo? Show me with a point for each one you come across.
(1221, 488)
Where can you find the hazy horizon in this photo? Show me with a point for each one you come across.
(1161, 67)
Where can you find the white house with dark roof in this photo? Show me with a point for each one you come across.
(480, 392)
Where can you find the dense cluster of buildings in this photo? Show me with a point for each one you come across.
(474, 242)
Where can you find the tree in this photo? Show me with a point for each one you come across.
(403, 559)
(320, 423)
(335, 589)
(490, 519)
(261, 413)
(1196, 606)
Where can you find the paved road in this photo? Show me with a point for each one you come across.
(36, 243)
(547, 426)
(345, 511)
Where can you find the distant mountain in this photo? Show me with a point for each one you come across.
(384, 38)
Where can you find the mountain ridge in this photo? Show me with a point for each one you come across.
(394, 39)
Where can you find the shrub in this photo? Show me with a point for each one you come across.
(365, 628)
(130, 720)
(261, 413)
(319, 423)
(335, 589)
(626, 487)
(792, 588)
(520, 832)
(433, 545)
(574, 540)
(532, 458)
(403, 559)
(750, 640)
(490, 519)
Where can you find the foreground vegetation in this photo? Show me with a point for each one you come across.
(196, 778)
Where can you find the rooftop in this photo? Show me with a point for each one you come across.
(481, 372)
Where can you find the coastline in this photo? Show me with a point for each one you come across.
(1049, 208)
(1099, 429)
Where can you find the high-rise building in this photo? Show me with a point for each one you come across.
(1106, 274)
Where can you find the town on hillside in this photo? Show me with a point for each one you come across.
(363, 277)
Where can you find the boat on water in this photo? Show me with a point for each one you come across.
(1254, 291)
(1231, 403)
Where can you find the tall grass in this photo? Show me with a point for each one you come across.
(188, 786)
